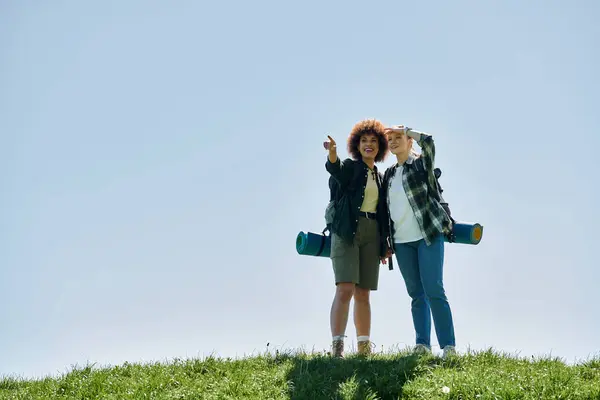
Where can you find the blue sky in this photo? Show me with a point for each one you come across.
(159, 158)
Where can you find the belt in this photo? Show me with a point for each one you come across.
(368, 215)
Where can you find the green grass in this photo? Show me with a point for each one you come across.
(482, 375)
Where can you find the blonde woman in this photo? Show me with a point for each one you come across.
(417, 225)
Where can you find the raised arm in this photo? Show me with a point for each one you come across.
(334, 166)
(425, 142)
(427, 145)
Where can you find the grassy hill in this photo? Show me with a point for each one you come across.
(481, 375)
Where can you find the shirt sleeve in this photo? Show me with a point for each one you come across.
(427, 146)
(427, 151)
(339, 170)
(333, 188)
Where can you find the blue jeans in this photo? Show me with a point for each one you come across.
(422, 269)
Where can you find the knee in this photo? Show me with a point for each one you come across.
(344, 292)
(435, 291)
(361, 295)
(414, 290)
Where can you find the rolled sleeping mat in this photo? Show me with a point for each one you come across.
(467, 233)
(319, 245)
(313, 244)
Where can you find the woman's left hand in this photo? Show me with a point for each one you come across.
(387, 255)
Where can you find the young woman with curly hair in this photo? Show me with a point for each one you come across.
(358, 244)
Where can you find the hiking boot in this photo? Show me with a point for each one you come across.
(365, 348)
(449, 351)
(337, 348)
(421, 349)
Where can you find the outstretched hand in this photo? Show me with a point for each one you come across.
(329, 145)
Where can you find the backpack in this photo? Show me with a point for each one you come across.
(334, 194)
(337, 193)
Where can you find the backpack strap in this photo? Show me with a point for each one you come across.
(335, 193)
(322, 246)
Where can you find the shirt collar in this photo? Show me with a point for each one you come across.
(411, 158)
(367, 167)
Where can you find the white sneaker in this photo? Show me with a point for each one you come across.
(449, 351)
(422, 349)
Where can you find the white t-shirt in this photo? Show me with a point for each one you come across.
(406, 225)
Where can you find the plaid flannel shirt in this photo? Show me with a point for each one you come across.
(418, 179)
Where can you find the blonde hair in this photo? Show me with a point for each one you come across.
(412, 151)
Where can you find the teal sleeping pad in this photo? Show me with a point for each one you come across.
(319, 245)
(313, 244)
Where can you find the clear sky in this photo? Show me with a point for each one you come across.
(159, 158)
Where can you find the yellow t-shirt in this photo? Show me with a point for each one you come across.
(371, 195)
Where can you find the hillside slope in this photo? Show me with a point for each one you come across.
(483, 375)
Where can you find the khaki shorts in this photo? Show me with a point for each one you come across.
(357, 263)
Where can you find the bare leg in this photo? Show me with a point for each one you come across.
(340, 308)
(362, 312)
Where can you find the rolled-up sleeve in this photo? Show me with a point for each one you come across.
(427, 146)
(427, 151)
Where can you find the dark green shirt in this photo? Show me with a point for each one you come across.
(351, 179)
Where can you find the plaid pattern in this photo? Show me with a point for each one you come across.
(417, 181)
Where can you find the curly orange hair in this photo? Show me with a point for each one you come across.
(368, 127)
